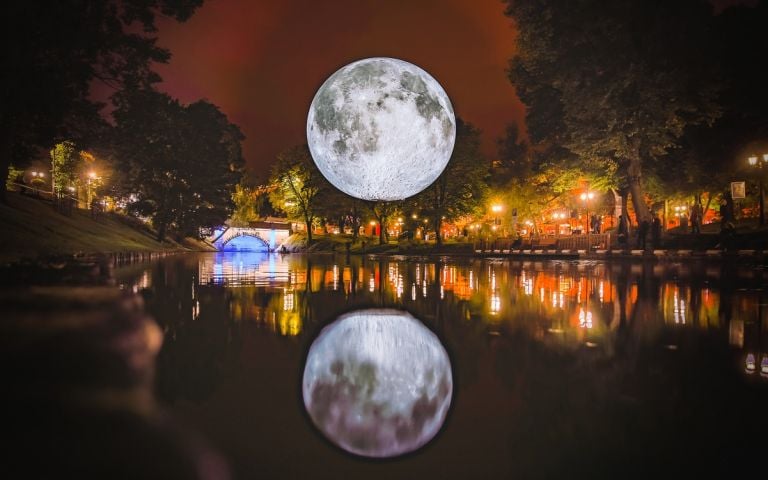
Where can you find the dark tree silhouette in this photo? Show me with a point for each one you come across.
(180, 164)
(54, 51)
(617, 81)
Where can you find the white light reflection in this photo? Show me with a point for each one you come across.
(288, 300)
(678, 309)
(585, 318)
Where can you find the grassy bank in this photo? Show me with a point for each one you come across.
(30, 228)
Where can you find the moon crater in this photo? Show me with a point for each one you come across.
(377, 383)
(381, 129)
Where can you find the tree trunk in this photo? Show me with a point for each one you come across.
(355, 224)
(438, 224)
(634, 178)
(382, 230)
(308, 222)
(625, 209)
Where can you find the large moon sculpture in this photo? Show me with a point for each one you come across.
(381, 129)
(377, 383)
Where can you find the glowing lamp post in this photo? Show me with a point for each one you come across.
(680, 211)
(586, 197)
(755, 162)
(496, 209)
(92, 177)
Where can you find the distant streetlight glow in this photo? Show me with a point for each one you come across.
(586, 197)
(753, 161)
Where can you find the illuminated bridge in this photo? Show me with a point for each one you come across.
(257, 236)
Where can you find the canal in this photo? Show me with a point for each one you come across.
(569, 368)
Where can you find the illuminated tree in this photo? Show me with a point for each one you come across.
(65, 161)
(297, 183)
(614, 82)
(382, 212)
(462, 187)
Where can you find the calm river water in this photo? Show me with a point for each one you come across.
(567, 368)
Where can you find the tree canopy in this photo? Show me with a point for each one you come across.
(180, 163)
(614, 82)
(461, 188)
(52, 54)
(297, 184)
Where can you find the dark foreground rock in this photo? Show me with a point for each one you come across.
(77, 363)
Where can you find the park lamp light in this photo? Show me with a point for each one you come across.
(496, 208)
(754, 160)
(587, 196)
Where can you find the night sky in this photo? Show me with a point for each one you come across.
(262, 61)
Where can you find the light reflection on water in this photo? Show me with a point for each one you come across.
(580, 302)
(504, 322)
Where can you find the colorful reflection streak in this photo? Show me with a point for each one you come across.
(557, 365)
(568, 303)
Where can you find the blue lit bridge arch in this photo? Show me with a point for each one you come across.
(258, 236)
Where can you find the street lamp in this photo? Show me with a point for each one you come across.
(586, 197)
(754, 162)
(679, 212)
(496, 209)
(92, 177)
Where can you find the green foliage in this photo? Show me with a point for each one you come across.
(333, 205)
(54, 53)
(616, 83)
(297, 183)
(462, 188)
(15, 175)
(66, 161)
(382, 212)
(245, 206)
(180, 163)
